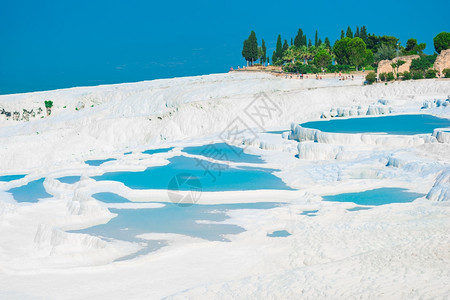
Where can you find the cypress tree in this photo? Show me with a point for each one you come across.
(245, 51)
(342, 34)
(316, 40)
(349, 32)
(357, 32)
(363, 34)
(278, 53)
(285, 46)
(263, 47)
(292, 42)
(253, 47)
(304, 40)
(309, 43)
(298, 41)
(319, 42)
(327, 43)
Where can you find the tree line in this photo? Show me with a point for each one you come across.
(353, 50)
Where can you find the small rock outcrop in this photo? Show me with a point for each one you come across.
(384, 66)
(442, 61)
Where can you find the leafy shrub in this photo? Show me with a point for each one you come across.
(446, 73)
(430, 74)
(371, 77)
(417, 75)
(422, 63)
(407, 75)
(390, 76)
(383, 76)
(48, 103)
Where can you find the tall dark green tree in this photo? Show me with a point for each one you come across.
(327, 43)
(349, 33)
(250, 48)
(304, 40)
(363, 34)
(319, 42)
(285, 46)
(357, 32)
(309, 43)
(316, 39)
(292, 42)
(342, 34)
(278, 53)
(298, 40)
(246, 51)
(263, 48)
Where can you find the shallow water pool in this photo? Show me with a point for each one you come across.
(31, 192)
(376, 197)
(279, 233)
(8, 178)
(171, 218)
(212, 176)
(98, 162)
(69, 179)
(398, 124)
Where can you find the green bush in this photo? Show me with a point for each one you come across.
(371, 77)
(390, 76)
(407, 75)
(383, 76)
(417, 75)
(430, 74)
(446, 73)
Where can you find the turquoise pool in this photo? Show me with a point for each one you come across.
(69, 179)
(8, 178)
(376, 197)
(171, 218)
(398, 124)
(31, 192)
(98, 162)
(213, 176)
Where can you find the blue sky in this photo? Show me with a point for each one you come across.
(57, 44)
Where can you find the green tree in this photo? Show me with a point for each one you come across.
(369, 58)
(304, 40)
(322, 59)
(349, 33)
(411, 44)
(384, 52)
(342, 34)
(420, 64)
(316, 40)
(285, 46)
(278, 53)
(309, 43)
(253, 46)
(298, 40)
(264, 51)
(48, 106)
(441, 41)
(357, 32)
(363, 34)
(341, 51)
(250, 48)
(430, 74)
(357, 51)
(327, 43)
